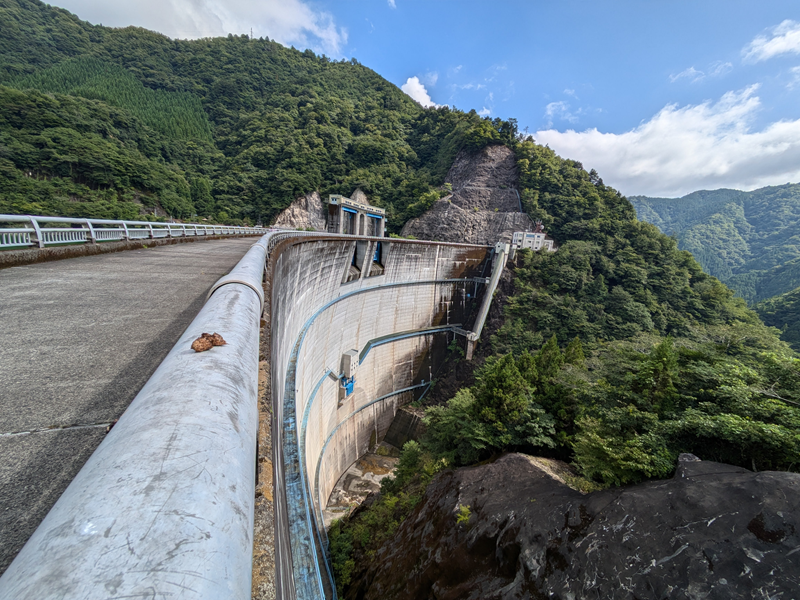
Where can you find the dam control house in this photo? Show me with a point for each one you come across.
(349, 216)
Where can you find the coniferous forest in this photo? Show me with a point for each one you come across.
(615, 354)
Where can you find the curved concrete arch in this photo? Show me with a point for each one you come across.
(314, 319)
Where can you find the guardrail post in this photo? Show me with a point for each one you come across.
(92, 238)
(38, 232)
(126, 235)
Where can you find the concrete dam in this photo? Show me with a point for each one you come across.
(384, 302)
(164, 507)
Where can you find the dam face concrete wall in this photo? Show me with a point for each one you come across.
(330, 296)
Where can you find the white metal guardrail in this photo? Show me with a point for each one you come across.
(40, 231)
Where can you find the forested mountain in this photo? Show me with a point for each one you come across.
(783, 312)
(243, 126)
(749, 240)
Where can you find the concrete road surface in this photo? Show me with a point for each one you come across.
(78, 340)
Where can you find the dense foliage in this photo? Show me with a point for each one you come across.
(247, 124)
(358, 538)
(675, 363)
(69, 156)
(783, 312)
(750, 240)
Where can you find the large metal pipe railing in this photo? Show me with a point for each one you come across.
(164, 506)
(92, 231)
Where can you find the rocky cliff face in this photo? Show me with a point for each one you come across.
(713, 531)
(307, 212)
(484, 207)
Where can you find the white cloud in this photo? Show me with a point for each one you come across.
(470, 86)
(795, 71)
(290, 22)
(715, 69)
(782, 39)
(484, 112)
(392, 3)
(719, 68)
(559, 110)
(570, 92)
(414, 88)
(691, 73)
(683, 149)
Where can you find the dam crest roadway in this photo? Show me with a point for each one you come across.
(164, 507)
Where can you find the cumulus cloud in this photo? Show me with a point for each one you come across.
(683, 149)
(484, 112)
(289, 22)
(781, 39)
(715, 69)
(414, 88)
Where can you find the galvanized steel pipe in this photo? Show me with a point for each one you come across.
(164, 507)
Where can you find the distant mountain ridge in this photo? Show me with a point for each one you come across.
(749, 240)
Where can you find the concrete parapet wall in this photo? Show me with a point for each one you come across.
(315, 318)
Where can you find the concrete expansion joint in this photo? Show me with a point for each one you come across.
(107, 424)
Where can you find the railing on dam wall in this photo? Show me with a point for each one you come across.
(164, 507)
(39, 232)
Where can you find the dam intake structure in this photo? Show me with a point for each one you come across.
(165, 505)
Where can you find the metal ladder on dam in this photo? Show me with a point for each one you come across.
(164, 507)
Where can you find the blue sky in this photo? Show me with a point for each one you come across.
(661, 97)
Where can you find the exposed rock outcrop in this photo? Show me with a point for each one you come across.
(306, 212)
(484, 207)
(713, 531)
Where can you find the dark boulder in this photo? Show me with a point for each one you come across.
(713, 531)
